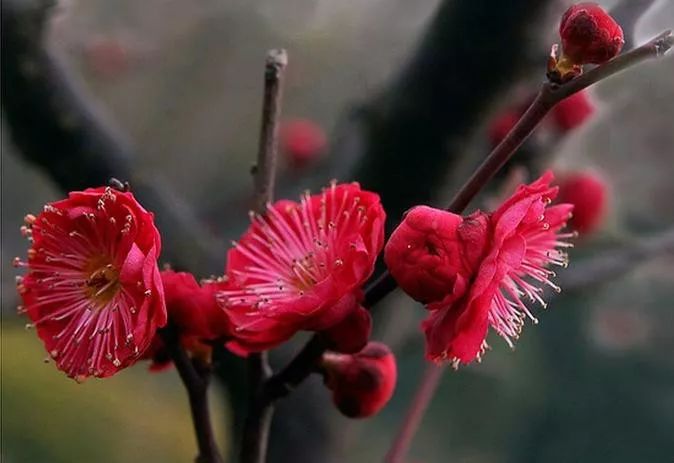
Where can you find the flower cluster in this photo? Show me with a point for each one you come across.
(471, 272)
(93, 289)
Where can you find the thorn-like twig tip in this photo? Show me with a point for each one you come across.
(277, 59)
(664, 42)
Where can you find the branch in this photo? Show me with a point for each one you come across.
(258, 420)
(549, 95)
(615, 262)
(422, 398)
(304, 363)
(55, 127)
(196, 377)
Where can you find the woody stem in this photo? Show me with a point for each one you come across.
(196, 377)
(422, 398)
(260, 411)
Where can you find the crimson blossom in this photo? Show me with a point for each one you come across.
(301, 265)
(487, 263)
(93, 288)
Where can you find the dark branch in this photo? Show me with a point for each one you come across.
(613, 263)
(258, 420)
(195, 376)
(55, 127)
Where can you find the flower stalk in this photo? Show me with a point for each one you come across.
(196, 378)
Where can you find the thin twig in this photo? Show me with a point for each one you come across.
(196, 379)
(256, 427)
(264, 172)
(422, 398)
(614, 262)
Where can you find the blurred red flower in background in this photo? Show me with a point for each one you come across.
(588, 192)
(302, 142)
(572, 112)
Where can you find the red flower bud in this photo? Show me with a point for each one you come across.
(362, 383)
(425, 254)
(352, 333)
(589, 34)
(589, 195)
(302, 141)
(572, 112)
(193, 308)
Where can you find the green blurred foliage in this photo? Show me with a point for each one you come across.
(135, 416)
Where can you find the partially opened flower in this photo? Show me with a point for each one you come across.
(301, 265)
(430, 252)
(589, 194)
(93, 288)
(361, 383)
(521, 238)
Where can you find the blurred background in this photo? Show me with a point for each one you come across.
(398, 95)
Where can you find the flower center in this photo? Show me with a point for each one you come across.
(102, 282)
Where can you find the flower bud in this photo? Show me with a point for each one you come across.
(352, 333)
(424, 253)
(362, 383)
(589, 195)
(302, 142)
(589, 34)
(572, 112)
(193, 308)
